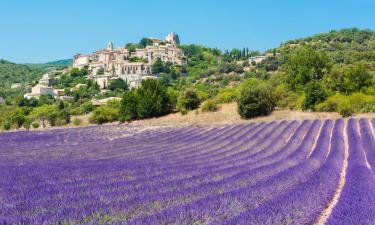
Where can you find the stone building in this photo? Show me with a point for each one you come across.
(112, 63)
(42, 88)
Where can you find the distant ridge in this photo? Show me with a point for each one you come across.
(62, 62)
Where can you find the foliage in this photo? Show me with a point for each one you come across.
(305, 65)
(256, 99)
(356, 102)
(128, 108)
(46, 114)
(158, 66)
(118, 84)
(209, 106)
(314, 93)
(227, 95)
(76, 72)
(11, 73)
(77, 121)
(188, 100)
(35, 125)
(152, 99)
(145, 42)
(104, 114)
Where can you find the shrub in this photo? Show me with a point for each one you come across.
(77, 121)
(256, 99)
(27, 123)
(184, 112)
(227, 95)
(87, 107)
(46, 114)
(173, 97)
(331, 104)
(209, 106)
(7, 125)
(128, 108)
(314, 93)
(345, 111)
(357, 102)
(35, 125)
(152, 99)
(188, 100)
(17, 117)
(104, 114)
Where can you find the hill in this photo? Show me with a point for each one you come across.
(17, 73)
(63, 62)
(328, 72)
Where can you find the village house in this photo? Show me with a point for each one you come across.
(42, 88)
(110, 63)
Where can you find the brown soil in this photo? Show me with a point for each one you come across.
(227, 114)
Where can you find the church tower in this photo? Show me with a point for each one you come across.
(110, 46)
(173, 38)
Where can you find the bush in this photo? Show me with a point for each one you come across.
(77, 121)
(87, 107)
(27, 123)
(227, 95)
(7, 125)
(183, 112)
(188, 100)
(357, 102)
(314, 93)
(104, 114)
(35, 125)
(152, 99)
(209, 106)
(256, 99)
(128, 108)
(345, 111)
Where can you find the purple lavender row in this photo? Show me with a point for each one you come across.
(368, 141)
(304, 203)
(357, 201)
(182, 180)
(207, 209)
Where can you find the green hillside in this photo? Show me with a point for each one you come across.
(63, 62)
(17, 73)
(328, 72)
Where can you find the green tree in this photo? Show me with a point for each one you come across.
(100, 71)
(305, 65)
(158, 66)
(47, 114)
(128, 108)
(256, 99)
(152, 99)
(17, 117)
(145, 42)
(118, 84)
(314, 94)
(188, 100)
(104, 114)
(358, 78)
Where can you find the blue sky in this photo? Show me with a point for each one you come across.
(45, 30)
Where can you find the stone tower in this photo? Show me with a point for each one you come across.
(173, 38)
(110, 46)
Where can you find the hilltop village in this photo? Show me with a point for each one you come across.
(130, 65)
(106, 65)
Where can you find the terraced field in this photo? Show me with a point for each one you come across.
(285, 172)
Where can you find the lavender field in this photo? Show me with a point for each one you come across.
(284, 172)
